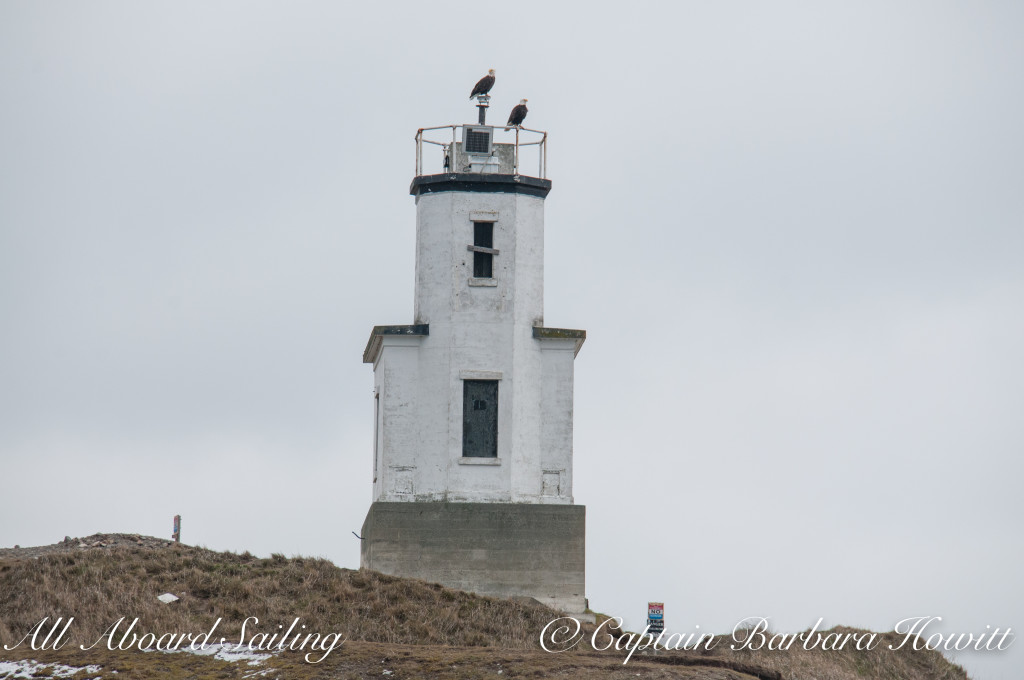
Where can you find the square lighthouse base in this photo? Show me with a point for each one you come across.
(498, 549)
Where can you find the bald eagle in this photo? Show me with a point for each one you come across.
(518, 115)
(484, 85)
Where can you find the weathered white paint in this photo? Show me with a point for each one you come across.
(483, 331)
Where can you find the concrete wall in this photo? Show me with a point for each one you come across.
(503, 159)
(503, 550)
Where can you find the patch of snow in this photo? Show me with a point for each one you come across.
(229, 651)
(259, 674)
(226, 651)
(34, 669)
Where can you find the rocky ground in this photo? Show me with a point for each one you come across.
(96, 541)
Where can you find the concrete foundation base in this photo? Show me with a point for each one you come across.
(504, 550)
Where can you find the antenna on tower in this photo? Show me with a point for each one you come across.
(483, 101)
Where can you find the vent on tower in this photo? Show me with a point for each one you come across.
(477, 140)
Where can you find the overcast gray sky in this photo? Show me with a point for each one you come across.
(792, 230)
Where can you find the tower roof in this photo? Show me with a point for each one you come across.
(495, 184)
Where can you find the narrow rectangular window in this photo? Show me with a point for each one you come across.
(480, 418)
(483, 237)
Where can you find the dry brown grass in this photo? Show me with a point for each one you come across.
(370, 660)
(412, 628)
(97, 587)
(879, 663)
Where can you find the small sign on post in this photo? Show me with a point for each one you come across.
(655, 617)
(177, 529)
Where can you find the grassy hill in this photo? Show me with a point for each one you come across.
(386, 627)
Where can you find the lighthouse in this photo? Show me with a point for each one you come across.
(473, 401)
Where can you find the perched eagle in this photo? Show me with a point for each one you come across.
(518, 115)
(484, 85)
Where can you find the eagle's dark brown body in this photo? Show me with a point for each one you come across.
(483, 86)
(517, 116)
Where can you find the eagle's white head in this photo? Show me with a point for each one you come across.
(522, 101)
(490, 72)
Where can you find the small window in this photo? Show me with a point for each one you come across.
(483, 262)
(479, 418)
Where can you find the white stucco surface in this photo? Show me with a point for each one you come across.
(475, 332)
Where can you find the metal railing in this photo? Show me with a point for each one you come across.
(538, 138)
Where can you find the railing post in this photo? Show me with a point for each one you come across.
(540, 159)
(419, 151)
(515, 161)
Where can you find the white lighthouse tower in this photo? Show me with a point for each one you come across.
(472, 471)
